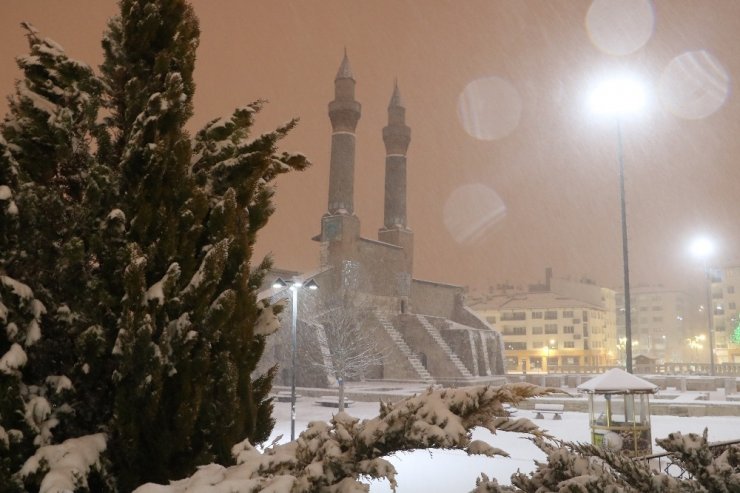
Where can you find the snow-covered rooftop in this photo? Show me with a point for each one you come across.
(617, 381)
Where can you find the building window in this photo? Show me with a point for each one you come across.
(515, 331)
(551, 329)
(536, 315)
(551, 315)
(515, 346)
(569, 344)
(514, 316)
(730, 289)
(657, 319)
(538, 344)
(567, 313)
(569, 329)
(536, 330)
(491, 320)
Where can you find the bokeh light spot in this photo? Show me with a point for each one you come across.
(471, 211)
(489, 108)
(694, 85)
(620, 27)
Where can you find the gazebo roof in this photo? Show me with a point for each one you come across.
(617, 381)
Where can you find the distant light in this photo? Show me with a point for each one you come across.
(279, 283)
(620, 96)
(702, 247)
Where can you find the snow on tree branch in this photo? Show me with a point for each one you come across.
(334, 456)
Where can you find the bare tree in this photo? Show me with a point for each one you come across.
(346, 348)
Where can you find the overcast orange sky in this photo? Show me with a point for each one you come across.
(509, 171)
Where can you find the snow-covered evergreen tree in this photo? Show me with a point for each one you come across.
(128, 299)
(45, 176)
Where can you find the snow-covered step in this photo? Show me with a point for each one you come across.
(474, 351)
(394, 334)
(484, 347)
(432, 330)
(325, 354)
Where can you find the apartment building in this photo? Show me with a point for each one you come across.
(725, 301)
(557, 324)
(659, 323)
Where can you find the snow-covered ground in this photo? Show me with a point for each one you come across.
(442, 470)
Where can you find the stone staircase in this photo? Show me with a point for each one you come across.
(398, 339)
(486, 359)
(432, 330)
(325, 354)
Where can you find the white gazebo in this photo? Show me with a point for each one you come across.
(619, 408)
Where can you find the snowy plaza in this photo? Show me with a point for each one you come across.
(455, 471)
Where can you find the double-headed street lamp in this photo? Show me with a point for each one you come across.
(294, 286)
(619, 97)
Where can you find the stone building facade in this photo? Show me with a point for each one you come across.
(428, 332)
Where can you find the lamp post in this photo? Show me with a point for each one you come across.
(702, 248)
(294, 287)
(550, 343)
(619, 97)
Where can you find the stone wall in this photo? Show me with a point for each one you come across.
(434, 299)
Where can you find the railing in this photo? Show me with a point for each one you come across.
(666, 462)
(683, 369)
(721, 369)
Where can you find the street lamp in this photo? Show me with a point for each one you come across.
(619, 97)
(294, 286)
(703, 248)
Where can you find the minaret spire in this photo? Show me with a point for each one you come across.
(345, 70)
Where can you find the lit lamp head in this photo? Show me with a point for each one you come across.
(618, 96)
(296, 284)
(702, 247)
(312, 285)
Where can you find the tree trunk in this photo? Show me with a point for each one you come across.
(341, 394)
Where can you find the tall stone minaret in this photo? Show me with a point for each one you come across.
(340, 227)
(396, 136)
(344, 113)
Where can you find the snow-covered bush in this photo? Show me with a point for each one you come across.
(336, 456)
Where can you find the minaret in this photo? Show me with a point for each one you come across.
(344, 113)
(396, 136)
(340, 228)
